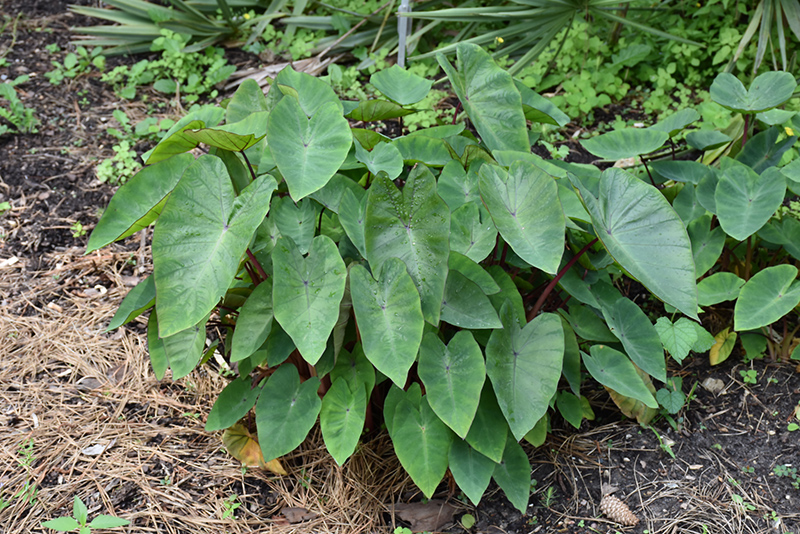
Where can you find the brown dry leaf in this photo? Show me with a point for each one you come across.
(632, 407)
(426, 517)
(294, 514)
(242, 445)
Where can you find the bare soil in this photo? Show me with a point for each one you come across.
(81, 413)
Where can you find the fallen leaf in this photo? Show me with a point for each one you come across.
(294, 514)
(98, 448)
(244, 447)
(423, 517)
(713, 385)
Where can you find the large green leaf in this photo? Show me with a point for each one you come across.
(490, 98)
(627, 143)
(524, 366)
(673, 124)
(524, 205)
(344, 408)
(473, 271)
(615, 371)
(453, 376)
(632, 327)
(377, 110)
(472, 232)
(766, 297)
(471, 470)
(307, 291)
(767, 91)
(253, 323)
(400, 85)
(286, 411)
(644, 235)
(423, 149)
(355, 368)
(307, 149)
(225, 140)
(539, 109)
(232, 404)
(513, 475)
(199, 240)
(311, 92)
(414, 226)
(746, 201)
(352, 216)
(466, 305)
(389, 317)
(138, 202)
(422, 444)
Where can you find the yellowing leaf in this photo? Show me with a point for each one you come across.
(723, 347)
(243, 446)
(633, 407)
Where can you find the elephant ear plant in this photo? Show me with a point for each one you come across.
(440, 283)
(742, 215)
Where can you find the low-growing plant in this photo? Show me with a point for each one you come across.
(76, 63)
(20, 117)
(78, 521)
(176, 72)
(346, 270)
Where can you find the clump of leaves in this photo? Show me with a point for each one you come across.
(80, 516)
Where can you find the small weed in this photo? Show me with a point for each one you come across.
(785, 470)
(467, 521)
(229, 506)
(739, 501)
(549, 497)
(79, 518)
(750, 376)
(77, 230)
(76, 63)
(748, 470)
(14, 111)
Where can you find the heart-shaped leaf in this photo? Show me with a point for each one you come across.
(725, 341)
(512, 474)
(490, 98)
(414, 226)
(342, 418)
(644, 235)
(286, 411)
(767, 91)
(746, 201)
(626, 143)
(524, 205)
(707, 139)
(400, 85)
(707, 244)
(471, 470)
(524, 366)
(766, 297)
(472, 231)
(297, 221)
(718, 287)
(678, 338)
(422, 444)
(453, 376)
(383, 157)
(199, 239)
(241, 445)
(307, 291)
(389, 317)
(673, 124)
(232, 404)
(308, 149)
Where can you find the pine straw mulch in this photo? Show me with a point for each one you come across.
(70, 391)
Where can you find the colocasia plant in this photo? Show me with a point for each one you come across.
(447, 284)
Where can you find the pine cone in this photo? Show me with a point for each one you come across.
(617, 511)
